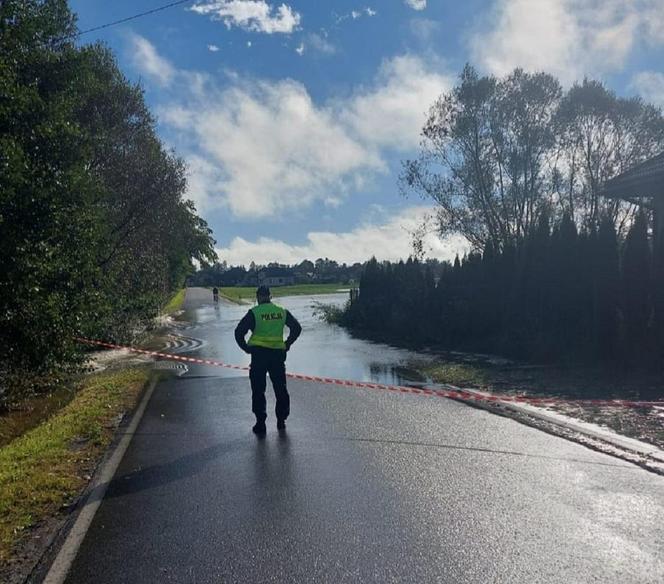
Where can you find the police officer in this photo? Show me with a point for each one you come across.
(268, 355)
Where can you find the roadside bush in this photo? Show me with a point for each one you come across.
(95, 232)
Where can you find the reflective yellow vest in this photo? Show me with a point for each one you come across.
(268, 332)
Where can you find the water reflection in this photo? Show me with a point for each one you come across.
(330, 351)
(323, 349)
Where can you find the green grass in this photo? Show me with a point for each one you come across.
(248, 293)
(32, 411)
(175, 303)
(454, 374)
(43, 470)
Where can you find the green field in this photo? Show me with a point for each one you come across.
(248, 293)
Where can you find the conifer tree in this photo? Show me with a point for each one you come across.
(606, 290)
(636, 288)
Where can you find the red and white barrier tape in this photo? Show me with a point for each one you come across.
(446, 393)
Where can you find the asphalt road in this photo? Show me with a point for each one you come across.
(364, 487)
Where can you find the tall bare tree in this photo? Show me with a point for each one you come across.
(601, 135)
(485, 156)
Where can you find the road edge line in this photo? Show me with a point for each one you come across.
(60, 567)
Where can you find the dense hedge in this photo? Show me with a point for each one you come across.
(559, 272)
(557, 296)
(95, 232)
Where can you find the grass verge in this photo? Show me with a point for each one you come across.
(46, 468)
(240, 293)
(33, 411)
(175, 303)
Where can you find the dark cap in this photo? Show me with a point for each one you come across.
(263, 291)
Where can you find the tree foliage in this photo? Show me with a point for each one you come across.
(556, 271)
(581, 298)
(498, 153)
(323, 271)
(598, 136)
(95, 231)
(486, 147)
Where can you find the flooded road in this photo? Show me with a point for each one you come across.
(331, 351)
(322, 349)
(363, 486)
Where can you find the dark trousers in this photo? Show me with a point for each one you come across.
(270, 361)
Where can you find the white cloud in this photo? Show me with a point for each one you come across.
(213, 48)
(569, 38)
(203, 181)
(416, 4)
(392, 114)
(274, 147)
(251, 15)
(654, 19)
(147, 60)
(424, 28)
(333, 202)
(390, 240)
(355, 14)
(300, 49)
(650, 85)
(262, 148)
(321, 44)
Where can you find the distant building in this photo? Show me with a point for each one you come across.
(276, 277)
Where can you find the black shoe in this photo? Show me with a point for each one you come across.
(259, 428)
(281, 424)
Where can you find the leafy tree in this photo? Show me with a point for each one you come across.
(485, 154)
(601, 135)
(48, 228)
(96, 232)
(516, 165)
(578, 299)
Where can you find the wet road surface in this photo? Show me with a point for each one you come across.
(363, 487)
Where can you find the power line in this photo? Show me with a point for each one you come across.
(128, 18)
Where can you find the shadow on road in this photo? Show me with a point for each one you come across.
(275, 470)
(161, 474)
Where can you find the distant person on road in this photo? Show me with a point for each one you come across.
(215, 294)
(268, 355)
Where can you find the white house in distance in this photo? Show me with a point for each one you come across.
(276, 277)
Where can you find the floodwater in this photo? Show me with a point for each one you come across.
(322, 349)
(206, 330)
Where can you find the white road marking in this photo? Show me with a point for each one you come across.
(65, 558)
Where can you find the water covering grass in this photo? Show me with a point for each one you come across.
(459, 374)
(248, 293)
(44, 469)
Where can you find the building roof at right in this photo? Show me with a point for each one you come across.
(640, 184)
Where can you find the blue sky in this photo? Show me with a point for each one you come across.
(293, 117)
